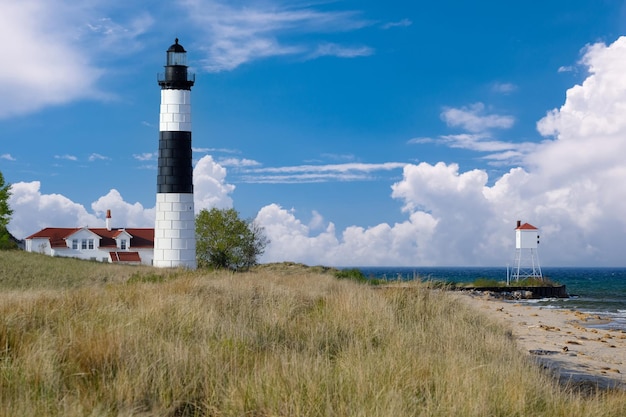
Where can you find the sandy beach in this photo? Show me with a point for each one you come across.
(562, 340)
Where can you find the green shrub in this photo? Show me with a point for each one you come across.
(485, 282)
(353, 274)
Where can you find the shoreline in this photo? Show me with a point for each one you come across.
(563, 341)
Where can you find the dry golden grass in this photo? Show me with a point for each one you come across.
(272, 342)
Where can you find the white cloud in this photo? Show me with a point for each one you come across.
(222, 150)
(66, 157)
(97, 156)
(146, 156)
(51, 70)
(61, 48)
(476, 142)
(379, 245)
(400, 23)
(471, 118)
(7, 156)
(238, 162)
(210, 186)
(333, 49)
(338, 157)
(500, 153)
(503, 88)
(237, 35)
(34, 210)
(421, 141)
(123, 214)
(109, 35)
(353, 171)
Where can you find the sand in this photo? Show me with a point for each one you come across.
(563, 341)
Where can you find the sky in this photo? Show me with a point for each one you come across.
(356, 133)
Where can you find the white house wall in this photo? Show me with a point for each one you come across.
(526, 239)
(38, 245)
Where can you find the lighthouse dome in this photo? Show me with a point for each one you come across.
(176, 47)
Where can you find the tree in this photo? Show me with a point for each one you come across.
(5, 215)
(226, 241)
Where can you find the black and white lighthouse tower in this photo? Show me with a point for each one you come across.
(174, 231)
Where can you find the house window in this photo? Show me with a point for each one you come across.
(90, 243)
(74, 243)
(83, 244)
(123, 244)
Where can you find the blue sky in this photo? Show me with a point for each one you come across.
(384, 133)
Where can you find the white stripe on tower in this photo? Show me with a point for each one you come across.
(174, 232)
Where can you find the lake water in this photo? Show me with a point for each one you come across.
(599, 291)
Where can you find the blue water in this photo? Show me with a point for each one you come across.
(600, 291)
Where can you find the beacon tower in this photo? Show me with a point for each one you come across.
(526, 256)
(174, 231)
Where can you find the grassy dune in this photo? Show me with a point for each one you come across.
(86, 339)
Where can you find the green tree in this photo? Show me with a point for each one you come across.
(5, 215)
(226, 241)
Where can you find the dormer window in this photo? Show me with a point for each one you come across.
(123, 244)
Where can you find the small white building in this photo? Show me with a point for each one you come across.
(126, 245)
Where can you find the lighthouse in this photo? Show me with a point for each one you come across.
(174, 231)
(526, 257)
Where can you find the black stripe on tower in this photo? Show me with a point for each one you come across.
(175, 169)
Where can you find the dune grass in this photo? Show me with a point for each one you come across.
(270, 342)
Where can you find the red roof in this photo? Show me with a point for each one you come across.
(56, 235)
(526, 226)
(140, 237)
(125, 257)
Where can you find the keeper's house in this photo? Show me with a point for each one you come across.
(128, 246)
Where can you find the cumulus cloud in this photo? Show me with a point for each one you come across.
(357, 246)
(34, 210)
(123, 214)
(210, 186)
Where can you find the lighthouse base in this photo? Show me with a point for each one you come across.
(175, 231)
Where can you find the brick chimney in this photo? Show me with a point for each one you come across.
(108, 220)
